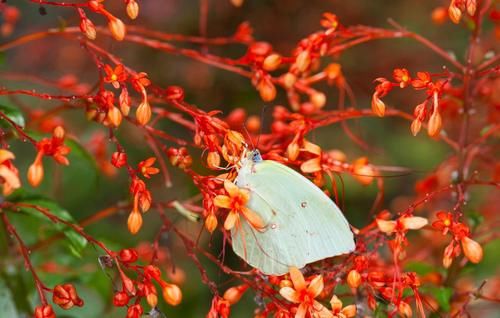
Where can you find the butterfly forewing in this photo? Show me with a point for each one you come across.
(303, 224)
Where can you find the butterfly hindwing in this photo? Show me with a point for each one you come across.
(303, 224)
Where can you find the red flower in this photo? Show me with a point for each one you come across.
(444, 222)
(115, 76)
(402, 76)
(422, 81)
(65, 296)
(44, 311)
(146, 167)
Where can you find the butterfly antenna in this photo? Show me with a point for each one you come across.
(248, 136)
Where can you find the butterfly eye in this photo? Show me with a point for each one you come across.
(256, 156)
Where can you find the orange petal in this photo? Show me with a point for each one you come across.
(222, 201)
(301, 311)
(231, 188)
(311, 165)
(253, 218)
(290, 294)
(316, 286)
(297, 279)
(312, 148)
(5, 155)
(414, 222)
(231, 220)
(11, 178)
(386, 226)
(318, 310)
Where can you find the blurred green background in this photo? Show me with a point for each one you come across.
(82, 190)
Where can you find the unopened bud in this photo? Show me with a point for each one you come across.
(172, 294)
(378, 106)
(117, 28)
(303, 60)
(143, 112)
(114, 117)
(134, 222)
(133, 10)
(472, 250)
(272, 62)
(354, 279)
(435, 124)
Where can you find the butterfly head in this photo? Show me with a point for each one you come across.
(254, 156)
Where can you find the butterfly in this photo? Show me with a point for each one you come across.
(303, 224)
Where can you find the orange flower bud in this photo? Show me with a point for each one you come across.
(211, 222)
(337, 155)
(292, 151)
(253, 124)
(272, 62)
(124, 101)
(413, 222)
(435, 124)
(472, 250)
(172, 294)
(114, 117)
(237, 3)
(416, 125)
(134, 222)
(448, 255)
(234, 294)
(303, 60)
(117, 28)
(35, 172)
(213, 160)
(152, 299)
(386, 226)
(289, 80)
(363, 171)
(439, 15)
(88, 28)
(454, 12)
(143, 112)
(267, 90)
(405, 309)
(354, 278)
(133, 12)
(378, 106)
(333, 71)
(58, 132)
(471, 7)
(318, 100)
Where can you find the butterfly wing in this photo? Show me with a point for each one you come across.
(303, 224)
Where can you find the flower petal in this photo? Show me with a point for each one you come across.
(311, 165)
(301, 311)
(297, 279)
(10, 177)
(231, 188)
(5, 155)
(222, 201)
(290, 294)
(319, 311)
(231, 220)
(253, 218)
(316, 286)
(414, 222)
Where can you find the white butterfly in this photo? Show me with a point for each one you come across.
(302, 224)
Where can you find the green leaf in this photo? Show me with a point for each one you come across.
(81, 153)
(443, 295)
(419, 268)
(76, 242)
(7, 305)
(14, 114)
